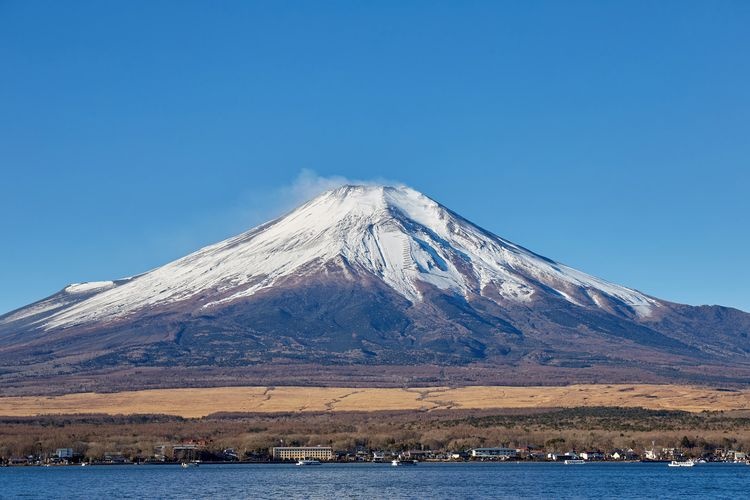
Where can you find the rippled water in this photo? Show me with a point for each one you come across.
(467, 480)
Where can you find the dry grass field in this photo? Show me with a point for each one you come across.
(202, 402)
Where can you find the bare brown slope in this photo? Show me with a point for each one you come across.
(331, 331)
(202, 402)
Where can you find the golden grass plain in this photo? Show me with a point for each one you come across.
(193, 403)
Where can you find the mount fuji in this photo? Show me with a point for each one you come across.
(365, 285)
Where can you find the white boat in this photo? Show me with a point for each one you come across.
(574, 462)
(185, 465)
(308, 462)
(400, 463)
(681, 463)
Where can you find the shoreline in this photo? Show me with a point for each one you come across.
(359, 463)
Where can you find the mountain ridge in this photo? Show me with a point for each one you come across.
(375, 276)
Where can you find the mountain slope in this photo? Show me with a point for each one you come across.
(371, 275)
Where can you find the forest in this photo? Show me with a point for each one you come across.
(136, 437)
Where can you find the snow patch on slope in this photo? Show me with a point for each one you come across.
(33, 310)
(89, 286)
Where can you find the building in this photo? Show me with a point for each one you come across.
(571, 455)
(302, 452)
(113, 457)
(592, 455)
(64, 453)
(185, 452)
(417, 454)
(628, 454)
(535, 454)
(735, 456)
(501, 453)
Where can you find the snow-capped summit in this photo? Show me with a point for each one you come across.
(395, 233)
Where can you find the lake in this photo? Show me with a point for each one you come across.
(426, 480)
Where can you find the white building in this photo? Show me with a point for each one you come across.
(494, 453)
(64, 453)
(302, 452)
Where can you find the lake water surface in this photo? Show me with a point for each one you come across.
(438, 480)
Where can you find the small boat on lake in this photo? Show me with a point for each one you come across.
(574, 461)
(400, 463)
(681, 463)
(308, 462)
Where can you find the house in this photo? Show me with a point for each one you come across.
(534, 453)
(735, 456)
(112, 457)
(592, 455)
(64, 453)
(629, 454)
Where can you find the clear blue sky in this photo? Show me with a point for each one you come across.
(611, 136)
